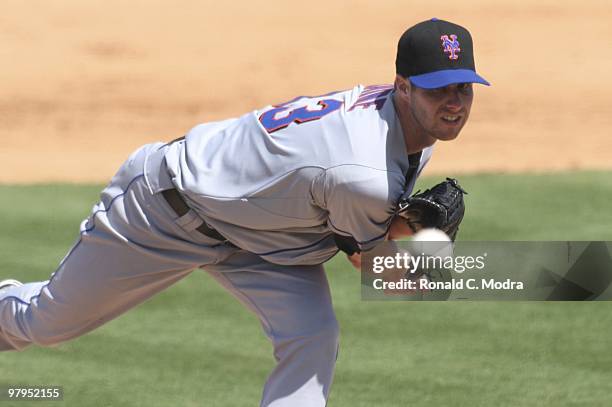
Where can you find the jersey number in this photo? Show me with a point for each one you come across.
(300, 115)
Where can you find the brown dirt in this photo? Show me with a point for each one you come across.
(84, 83)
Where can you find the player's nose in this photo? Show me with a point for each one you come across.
(453, 101)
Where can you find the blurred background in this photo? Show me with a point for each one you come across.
(86, 82)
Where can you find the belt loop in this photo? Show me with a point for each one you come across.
(180, 207)
(156, 172)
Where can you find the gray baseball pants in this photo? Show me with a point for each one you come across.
(134, 246)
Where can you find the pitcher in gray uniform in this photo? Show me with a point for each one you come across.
(259, 202)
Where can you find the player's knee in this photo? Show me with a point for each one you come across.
(332, 330)
(324, 332)
(329, 341)
(326, 335)
(320, 345)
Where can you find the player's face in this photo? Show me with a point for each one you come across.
(441, 113)
(434, 114)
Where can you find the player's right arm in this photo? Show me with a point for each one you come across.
(399, 229)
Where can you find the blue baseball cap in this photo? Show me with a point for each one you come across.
(437, 53)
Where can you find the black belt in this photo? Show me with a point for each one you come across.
(178, 204)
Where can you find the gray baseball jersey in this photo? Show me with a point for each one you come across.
(278, 181)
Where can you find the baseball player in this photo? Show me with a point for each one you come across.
(260, 202)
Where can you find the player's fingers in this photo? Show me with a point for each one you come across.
(399, 229)
(355, 260)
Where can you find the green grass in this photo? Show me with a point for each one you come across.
(194, 345)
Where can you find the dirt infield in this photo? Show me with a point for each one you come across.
(84, 83)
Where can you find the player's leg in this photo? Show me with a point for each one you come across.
(129, 249)
(100, 279)
(294, 306)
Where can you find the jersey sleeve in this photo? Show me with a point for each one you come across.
(358, 202)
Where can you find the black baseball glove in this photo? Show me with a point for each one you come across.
(440, 207)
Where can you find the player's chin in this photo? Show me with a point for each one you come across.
(447, 135)
(446, 131)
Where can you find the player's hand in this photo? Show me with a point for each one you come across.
(355, 260)
(399, 229)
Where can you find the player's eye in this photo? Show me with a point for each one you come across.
(435, 91)
(464, 87)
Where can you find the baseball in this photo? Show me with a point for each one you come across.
(432, 242)
(431, 235)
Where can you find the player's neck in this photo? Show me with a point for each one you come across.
(415, 138)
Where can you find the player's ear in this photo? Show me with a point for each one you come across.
(402, 85)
